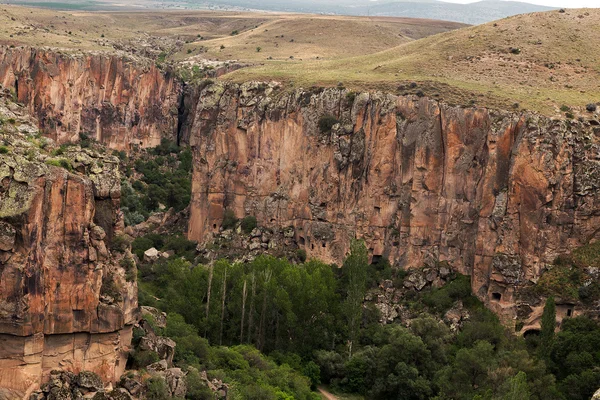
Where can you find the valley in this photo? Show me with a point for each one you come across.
(250, 206)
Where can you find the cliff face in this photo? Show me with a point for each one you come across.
(65, 302)
(118, 102)
(496, 195)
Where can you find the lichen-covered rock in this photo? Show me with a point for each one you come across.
(56, 227)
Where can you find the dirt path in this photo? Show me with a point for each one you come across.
(326, 394)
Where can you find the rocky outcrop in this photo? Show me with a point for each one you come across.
(117, 101)
(496, 195)
(65, 302)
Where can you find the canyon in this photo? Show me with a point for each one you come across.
(495, 195)
(65, 300)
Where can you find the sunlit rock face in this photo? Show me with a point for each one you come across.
(65, 302)
(497, 195)
(118, 101)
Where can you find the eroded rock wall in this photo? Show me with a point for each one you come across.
(496, 195)
(120, 102)
(65, 300)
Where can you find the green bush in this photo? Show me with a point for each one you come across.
(249, 223)
(61, 162)
(120, 243)
(140, 245)
(157, 389)
(143, 358)
(196, 387)
(130, 271)
(229, 220)
(110, 288)
(4, 150)
(326, 123)
(301, 255)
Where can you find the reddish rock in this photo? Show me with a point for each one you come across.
(117, 101)
(497, 195)
(57, 272)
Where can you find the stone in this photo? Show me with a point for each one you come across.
(151, 255)
(53, 228)
(158, 317)
(7, 236)
(90, 381)
(163, 346)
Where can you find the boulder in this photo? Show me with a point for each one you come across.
(159, 317)
(151, 255)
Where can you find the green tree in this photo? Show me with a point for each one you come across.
(548, 327)
(517, 388)
(355, 268)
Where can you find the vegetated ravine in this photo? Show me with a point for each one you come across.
(493, 195)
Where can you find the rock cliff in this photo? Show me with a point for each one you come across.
(497, 195)
(118, 101)
(66, 301)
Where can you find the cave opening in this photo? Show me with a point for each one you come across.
(301, 241)
(569, 312)
(376, 260)
(496, 296)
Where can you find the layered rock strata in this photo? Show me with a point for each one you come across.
(117, 101)
(497, 195)
(65, 300)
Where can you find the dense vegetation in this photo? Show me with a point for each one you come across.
(313, 323)
(311, 320)
(159, 177)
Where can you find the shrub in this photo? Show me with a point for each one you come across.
(140, 245)
(61, 162)
(119, 243)
(3, 150)
(156, 389)
(326, 123)
(143, 358)
(565, 108)
(196, 388)
(258, 49)
(110, 288)
(301, 255)
(229, 220)
(248, 223)
(129, 265)
(350, 97)
(569, 115)
(235, 32)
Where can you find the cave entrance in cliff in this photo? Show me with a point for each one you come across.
(376, 259)
(530, 333)
(301, 241)
(17, 88)
(496, 296)
(569, 312)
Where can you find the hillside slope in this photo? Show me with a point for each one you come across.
(541, 61)
(211, 35)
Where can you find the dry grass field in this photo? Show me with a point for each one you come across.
(213, 35)
(541, 61)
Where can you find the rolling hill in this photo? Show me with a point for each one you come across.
(539, 61)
